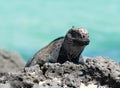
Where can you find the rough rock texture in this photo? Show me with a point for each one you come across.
(10, 61)
(98, 72)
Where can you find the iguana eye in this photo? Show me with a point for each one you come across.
(83, 36)
(74, 34)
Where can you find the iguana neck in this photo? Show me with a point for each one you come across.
(69, 52)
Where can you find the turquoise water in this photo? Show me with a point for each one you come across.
(28, 25)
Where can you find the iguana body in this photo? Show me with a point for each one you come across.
(68, 48)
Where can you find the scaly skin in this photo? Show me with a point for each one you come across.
(68, 48)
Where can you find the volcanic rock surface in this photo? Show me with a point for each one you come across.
(98, 72)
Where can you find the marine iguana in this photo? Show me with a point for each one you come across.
(68, 48)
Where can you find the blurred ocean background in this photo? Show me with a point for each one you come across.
(28, 25)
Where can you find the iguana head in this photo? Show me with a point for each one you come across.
(79, 36)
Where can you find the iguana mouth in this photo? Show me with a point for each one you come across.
(80, 41)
